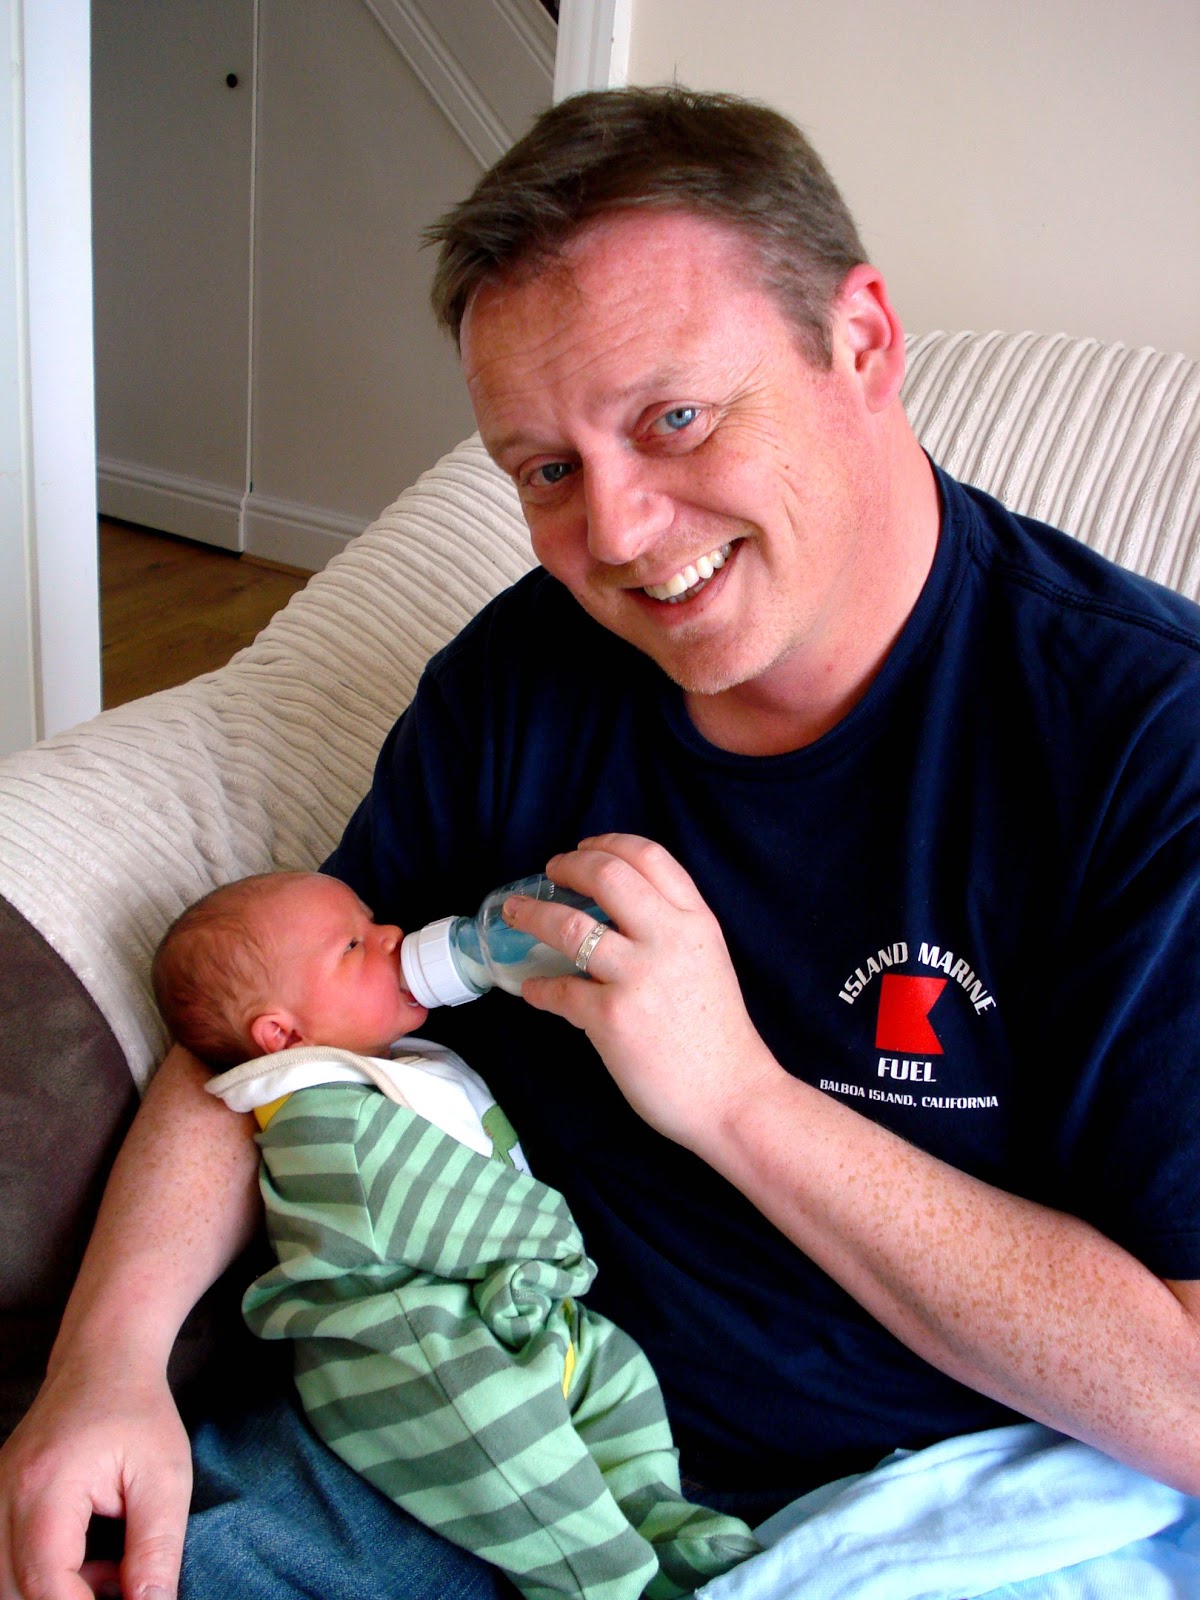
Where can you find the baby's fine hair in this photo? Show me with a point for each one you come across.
(211, 970)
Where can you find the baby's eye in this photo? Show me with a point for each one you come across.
(354, 944)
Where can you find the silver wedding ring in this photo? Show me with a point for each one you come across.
(588, 944)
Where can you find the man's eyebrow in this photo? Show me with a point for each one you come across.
(518, 439)
(664, 383)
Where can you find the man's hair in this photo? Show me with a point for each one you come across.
(211, 966)
(716, 156)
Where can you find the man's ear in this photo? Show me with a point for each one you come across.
(274, 1030)
(870, 334)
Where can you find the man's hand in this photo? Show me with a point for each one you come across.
(94, 1443)
(664, 1008)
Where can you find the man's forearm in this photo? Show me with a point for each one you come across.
(1025, 1304)
(181, 1202)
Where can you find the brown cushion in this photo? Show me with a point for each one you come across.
(66, 1099)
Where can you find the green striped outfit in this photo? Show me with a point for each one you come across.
(442, 1353)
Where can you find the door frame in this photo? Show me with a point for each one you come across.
(593, 45)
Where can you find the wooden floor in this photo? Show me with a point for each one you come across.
(170, 608)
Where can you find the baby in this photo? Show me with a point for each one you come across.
(430, 1282)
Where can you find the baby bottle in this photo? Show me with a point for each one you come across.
(459, 958)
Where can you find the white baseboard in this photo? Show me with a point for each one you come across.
(194, 508)
(296, 535)
(293, 534)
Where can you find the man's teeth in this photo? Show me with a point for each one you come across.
(691, 577)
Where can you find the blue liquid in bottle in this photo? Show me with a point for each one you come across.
(459, 958)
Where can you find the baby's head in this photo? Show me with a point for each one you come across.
(281, 959)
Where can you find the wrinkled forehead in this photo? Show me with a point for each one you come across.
(636, 295)
(594, 262)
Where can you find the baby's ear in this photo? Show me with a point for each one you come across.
(272, 1031)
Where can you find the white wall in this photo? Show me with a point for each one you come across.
(49, 615)
(1011, 164)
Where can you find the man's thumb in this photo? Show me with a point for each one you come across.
(154, 1530)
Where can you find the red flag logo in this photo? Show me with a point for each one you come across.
(904, 1006)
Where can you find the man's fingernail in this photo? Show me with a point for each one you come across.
(157, 1594)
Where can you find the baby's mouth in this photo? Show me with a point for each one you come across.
(687, 583)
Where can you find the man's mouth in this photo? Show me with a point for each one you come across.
(689, 580)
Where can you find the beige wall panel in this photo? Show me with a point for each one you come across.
(1011, 164)
(355, 391)
(172, 151)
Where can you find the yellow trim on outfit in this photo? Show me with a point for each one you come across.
(263, 1114)
(572, 1316)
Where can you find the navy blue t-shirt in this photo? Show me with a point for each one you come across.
(971, 911)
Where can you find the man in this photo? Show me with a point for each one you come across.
(879, 1112)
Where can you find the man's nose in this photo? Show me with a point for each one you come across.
(626, 511)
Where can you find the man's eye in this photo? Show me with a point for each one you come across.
(553, 472)
(678, 418)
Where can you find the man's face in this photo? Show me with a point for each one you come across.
(337, 971)
(698, 485)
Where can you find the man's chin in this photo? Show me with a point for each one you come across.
(705, 669)
(700, 658)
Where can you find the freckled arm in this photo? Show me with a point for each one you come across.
(1028, 1305)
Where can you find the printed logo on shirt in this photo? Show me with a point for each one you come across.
(908, 1053)
(904, 1006)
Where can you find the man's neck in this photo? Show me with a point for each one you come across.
(749, 721)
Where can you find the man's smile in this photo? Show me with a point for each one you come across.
(689, 580)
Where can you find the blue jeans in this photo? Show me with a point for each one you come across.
(277, 1516)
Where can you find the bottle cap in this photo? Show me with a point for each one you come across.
(427, 961)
